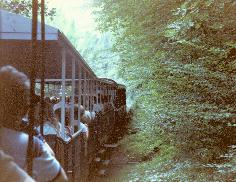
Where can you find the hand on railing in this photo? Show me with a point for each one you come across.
(68, 131)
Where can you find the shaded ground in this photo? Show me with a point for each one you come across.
(122, 169)
(117, 170)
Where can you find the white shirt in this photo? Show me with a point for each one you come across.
(83, 127)
(98, 107)
(93, 115)
(56, 106)
(59, 104)
(14, 143)
(101, 107)
(49, 129)
(87, 114)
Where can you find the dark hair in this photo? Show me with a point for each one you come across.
(53, 100)
(76, 112)
(95, 99)
(76, 108)
(76, 99)
(47, 99)
(68, 99)
(57, 112)
(14, 95)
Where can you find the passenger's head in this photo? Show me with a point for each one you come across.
(82, 110)
(14, 95)
(99, 99)
(76, 112)
(95, 100)
(105, 98)
(49, 111)
(82, 100)
(57, 114)
(53, 100)
(102, 99)
(76, 99)
(68, 99)
(47, 99)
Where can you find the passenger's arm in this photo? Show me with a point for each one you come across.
(87, 132)
(10, 171)
(61, 177)
(49, 149)
(46, 167)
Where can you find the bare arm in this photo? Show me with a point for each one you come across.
(61, 176)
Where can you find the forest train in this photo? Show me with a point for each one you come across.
(88, 109)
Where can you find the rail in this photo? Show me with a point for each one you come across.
(76, 154)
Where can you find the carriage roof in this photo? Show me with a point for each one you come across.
(15, 46)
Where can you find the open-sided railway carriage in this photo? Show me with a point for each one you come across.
(66, 74)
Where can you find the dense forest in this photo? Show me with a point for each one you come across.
(179, 58)
(178, 61)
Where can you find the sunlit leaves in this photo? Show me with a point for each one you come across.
(24, 7)
(182, 53)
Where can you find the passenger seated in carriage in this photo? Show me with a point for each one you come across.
(70, 103)
(110, 103)
(105, 103)
(58, 104)
(67, 122)
(86, 116)
(51, 125)
(53, 100)
(14, 100)
(93, 115)
(76, 101)
(97, 106)
(86, 113)
(83, 125)
(25, 127)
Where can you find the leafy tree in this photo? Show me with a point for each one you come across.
(179, 59)
(24, 7)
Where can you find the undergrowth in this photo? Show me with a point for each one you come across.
(160, 160)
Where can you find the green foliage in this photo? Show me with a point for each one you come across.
(24, 7)
(178, 58)
(140, 144)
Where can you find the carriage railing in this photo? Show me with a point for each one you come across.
(70, 154)
(105, 126)
(76, 154)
